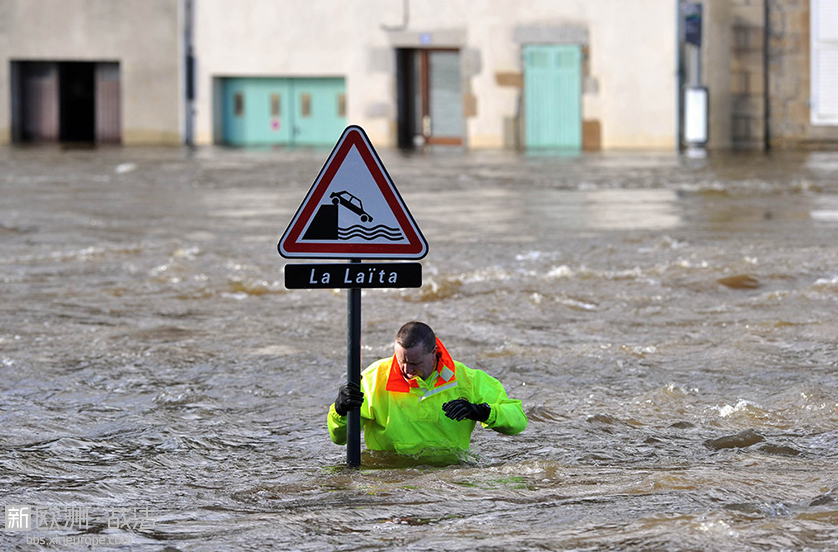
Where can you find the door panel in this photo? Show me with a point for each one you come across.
(288, 111)
(553, 96)
(235, 107)
(39, 101)
(446, 103)
(268, 103)
(108, 126)
(319, 111)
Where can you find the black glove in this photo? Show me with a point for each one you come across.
(349, 398)
(461, 409)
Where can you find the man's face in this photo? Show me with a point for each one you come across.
(415, 362)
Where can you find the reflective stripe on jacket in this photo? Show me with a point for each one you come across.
(406, 416)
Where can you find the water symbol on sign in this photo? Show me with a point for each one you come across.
(324, 225)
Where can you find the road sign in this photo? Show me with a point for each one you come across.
(353, 275)
(692, 24)
(353, 210)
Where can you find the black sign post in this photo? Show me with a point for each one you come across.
(353, 373)
(353, 276)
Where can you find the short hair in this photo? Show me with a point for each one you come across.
(416, 333)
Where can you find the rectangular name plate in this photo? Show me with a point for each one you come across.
(353, 275)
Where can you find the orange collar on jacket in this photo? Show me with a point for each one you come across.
(444, 367)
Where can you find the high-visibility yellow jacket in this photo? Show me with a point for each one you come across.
(406, 416)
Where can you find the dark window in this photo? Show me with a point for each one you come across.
(305, 105)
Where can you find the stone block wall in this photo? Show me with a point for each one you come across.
(789, 119)
(747, 69)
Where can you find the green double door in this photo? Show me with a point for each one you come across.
(553, 96)
(287, 111)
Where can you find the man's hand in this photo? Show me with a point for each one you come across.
(461, 409)
(349, 398)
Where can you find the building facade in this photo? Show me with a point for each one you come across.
(477, 73)
(771, 67)
(571, 75)
(90, 70)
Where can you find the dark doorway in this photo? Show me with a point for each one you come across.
(429, 97)
(406, 97)
(77, 86)
(68, 101)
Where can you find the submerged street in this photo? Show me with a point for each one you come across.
(668, 322)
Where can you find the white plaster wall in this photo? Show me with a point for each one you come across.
(634, 59)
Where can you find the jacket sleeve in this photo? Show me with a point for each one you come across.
(506, 415)
(337, 423)
(337, 426)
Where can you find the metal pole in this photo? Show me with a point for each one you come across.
(353, 373)
(189, 72)
(682, 71)
(766, 75)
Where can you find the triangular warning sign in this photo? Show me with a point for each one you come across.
(353, 210)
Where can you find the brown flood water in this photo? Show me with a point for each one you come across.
(669, 324)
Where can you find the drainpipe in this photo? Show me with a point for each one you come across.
(189, 73)
(766, 43)
(679, 91)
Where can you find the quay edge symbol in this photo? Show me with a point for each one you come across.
(353, 210)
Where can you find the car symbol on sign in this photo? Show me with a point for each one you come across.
(352, 203)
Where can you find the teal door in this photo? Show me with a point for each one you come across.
(319, 110)
(553, 96)
(287, 111)
(254, 110)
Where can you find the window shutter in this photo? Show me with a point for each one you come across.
(824, 66)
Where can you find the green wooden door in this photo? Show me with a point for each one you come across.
(288, 111)
(271, 100)
(553, 96)
(319, 110)
(234, 111)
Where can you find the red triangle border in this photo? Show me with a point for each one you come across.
(290, 246)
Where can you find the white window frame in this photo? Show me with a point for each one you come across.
(823, 32)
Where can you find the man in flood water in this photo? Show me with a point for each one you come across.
(422, 400)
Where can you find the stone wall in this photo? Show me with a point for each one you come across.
(789, 80)
(747, 67)
(742, 119)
